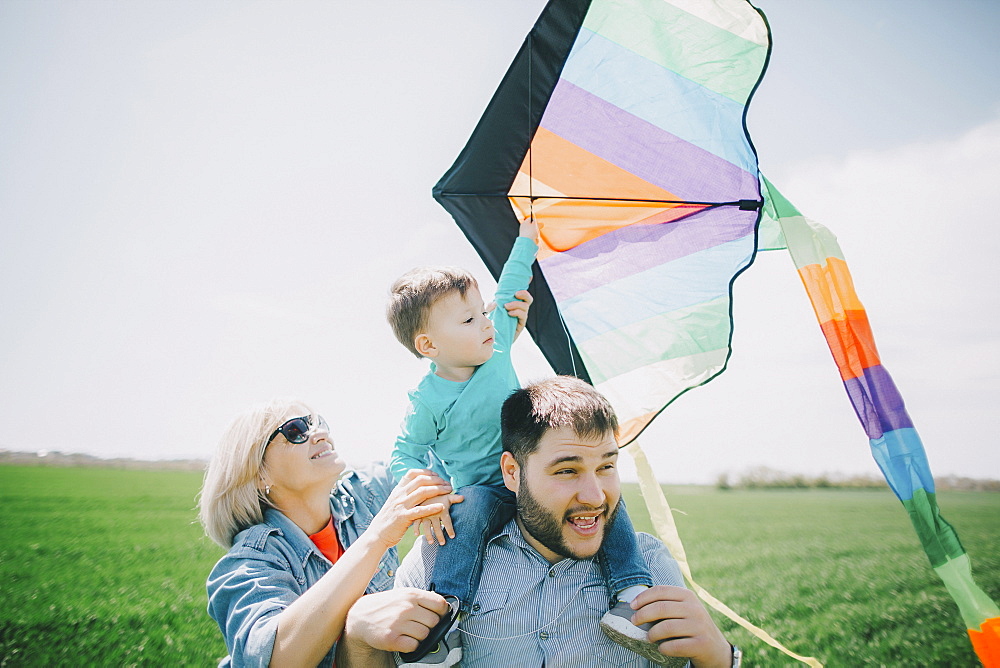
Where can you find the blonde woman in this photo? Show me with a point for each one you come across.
(305, 542)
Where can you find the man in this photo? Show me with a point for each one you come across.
(542, 595)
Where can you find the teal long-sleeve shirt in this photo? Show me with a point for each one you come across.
(460, 422)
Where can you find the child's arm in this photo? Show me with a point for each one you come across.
(515, 277)
(417, 434)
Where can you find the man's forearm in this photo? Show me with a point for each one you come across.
(353, 653)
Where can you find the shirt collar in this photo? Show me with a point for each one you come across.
(293, 535)
(511, 533)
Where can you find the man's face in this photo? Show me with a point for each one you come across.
(567, 493)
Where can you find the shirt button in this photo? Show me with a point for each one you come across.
(475, 608)
(552, 574)
(390, 572)
(544, 635)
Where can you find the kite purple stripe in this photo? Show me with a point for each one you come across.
(877, 402)
(595, 263)
(639, 147)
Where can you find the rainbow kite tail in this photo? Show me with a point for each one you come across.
(895, 444)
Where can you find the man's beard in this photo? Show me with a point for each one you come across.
(545, 528)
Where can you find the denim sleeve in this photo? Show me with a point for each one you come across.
(379, 480)
(244, 596)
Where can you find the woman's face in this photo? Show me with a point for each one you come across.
(300, 467)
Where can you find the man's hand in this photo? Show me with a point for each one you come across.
(434, 527)
(392, 621)
(682, 626)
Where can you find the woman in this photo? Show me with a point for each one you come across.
(301, 555)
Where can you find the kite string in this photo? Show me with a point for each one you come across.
(531, 200)
(531, 174)
(663, 521)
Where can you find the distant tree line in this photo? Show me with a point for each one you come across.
(55, 458)
(763, 477)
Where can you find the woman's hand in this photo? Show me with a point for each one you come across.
(403, 507)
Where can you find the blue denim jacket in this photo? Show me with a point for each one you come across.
(272, 563)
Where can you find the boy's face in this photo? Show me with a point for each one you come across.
(458, 333)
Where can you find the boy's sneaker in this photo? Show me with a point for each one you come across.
(442, 646)
(617, 625)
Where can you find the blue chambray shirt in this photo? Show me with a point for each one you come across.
(272, 563)
(531, 613)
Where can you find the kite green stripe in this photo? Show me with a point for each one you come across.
(777, 205)
(973, 603)
(662, 337)
(708, 55)
(807, 242)
(938, 538)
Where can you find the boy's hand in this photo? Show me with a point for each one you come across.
(519, 309)
(434, 527)
(529, 228)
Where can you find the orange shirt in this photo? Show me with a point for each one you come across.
(327, 542)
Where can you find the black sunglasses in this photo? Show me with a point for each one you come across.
(296, 430)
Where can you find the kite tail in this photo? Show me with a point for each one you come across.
(895, 445)
(663, 522)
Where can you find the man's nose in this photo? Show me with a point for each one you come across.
(590, 492)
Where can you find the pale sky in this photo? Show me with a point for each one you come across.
(202, 205)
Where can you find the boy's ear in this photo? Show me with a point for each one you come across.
(425, 346)
(509, 468)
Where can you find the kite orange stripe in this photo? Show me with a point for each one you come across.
(852, 344)
(986, 642)
(566, 224)
(630, 429)
(575, 172)
(830, 289)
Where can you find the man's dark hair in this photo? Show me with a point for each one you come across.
(563, 401)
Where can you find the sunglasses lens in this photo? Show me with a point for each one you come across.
(295, 430)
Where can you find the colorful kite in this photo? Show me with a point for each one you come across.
(620, 127)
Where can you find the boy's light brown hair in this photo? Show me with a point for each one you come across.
(413, 294)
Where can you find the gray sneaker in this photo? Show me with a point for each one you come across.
(448, 652)
(617, 625)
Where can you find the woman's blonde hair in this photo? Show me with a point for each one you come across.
(232, 495)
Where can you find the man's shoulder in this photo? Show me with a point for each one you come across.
(648, 542)
(416, 567)
(662, 565)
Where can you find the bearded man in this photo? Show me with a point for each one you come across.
(542, 601)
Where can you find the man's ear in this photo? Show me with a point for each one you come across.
(425, 346)
(510, 468)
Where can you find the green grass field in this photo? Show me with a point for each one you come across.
(107, 567)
